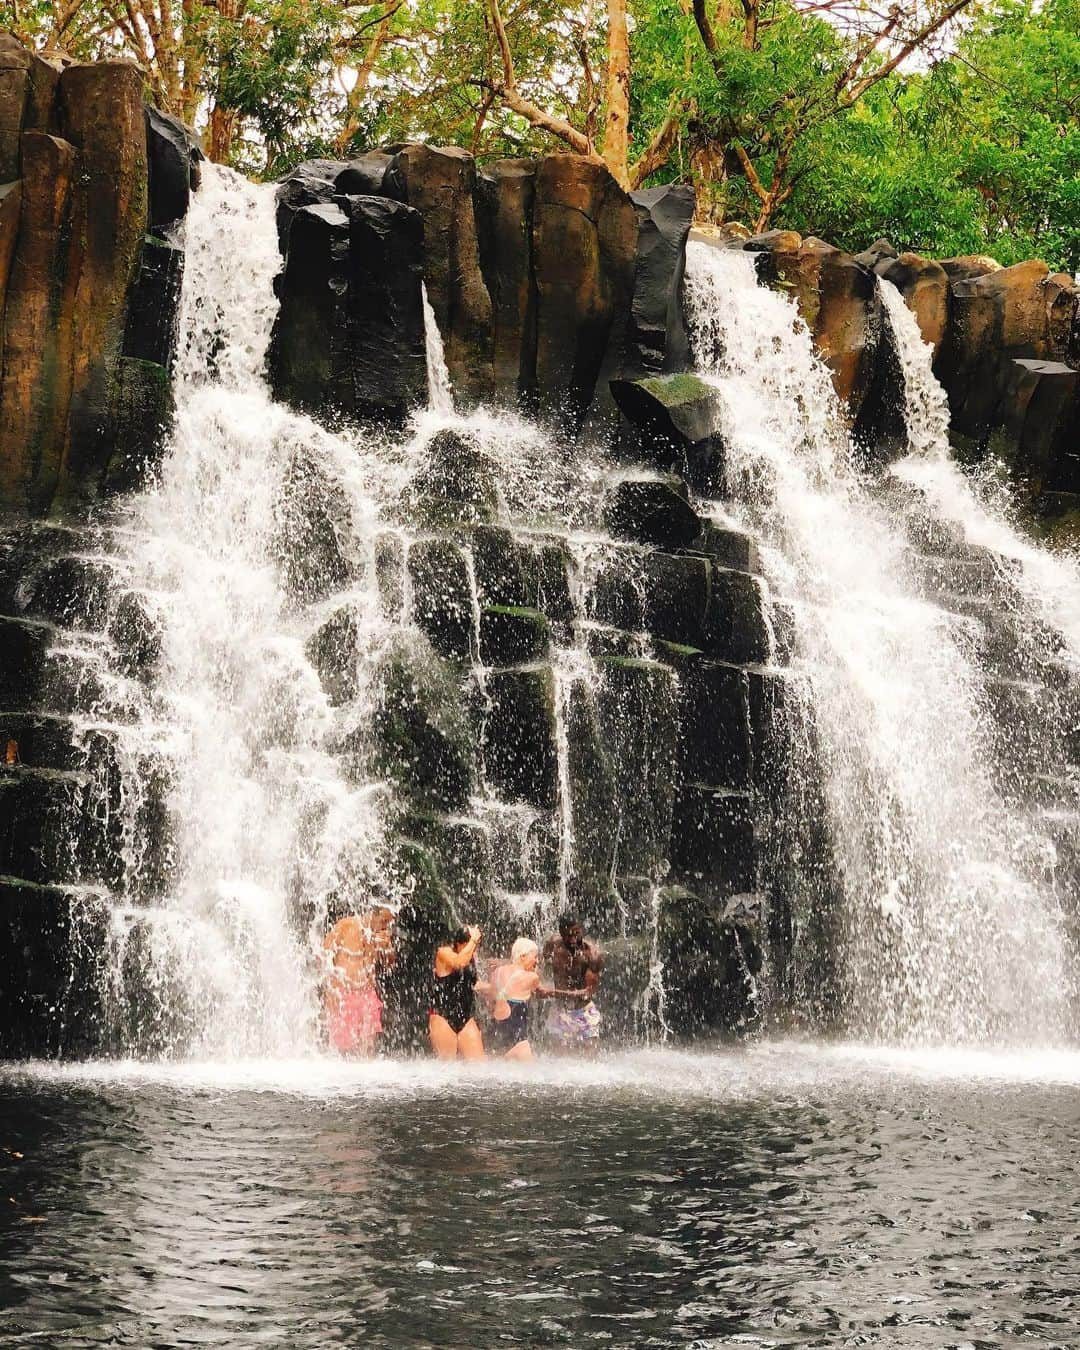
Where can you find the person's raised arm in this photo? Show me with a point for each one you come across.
(458, 960)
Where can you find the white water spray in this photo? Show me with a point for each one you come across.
(949, 929)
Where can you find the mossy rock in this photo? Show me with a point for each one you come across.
(442, 600)
(512, 635)
(457, 484)
(519, 736)
(652, 511)
(420, 732)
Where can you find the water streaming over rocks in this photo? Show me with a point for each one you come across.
(943, 908)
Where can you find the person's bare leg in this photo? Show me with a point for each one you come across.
(443, 1040)
(470, 1044)
(523, 1050)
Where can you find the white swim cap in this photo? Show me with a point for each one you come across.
(523, 946)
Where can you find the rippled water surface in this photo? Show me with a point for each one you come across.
(785, 1195)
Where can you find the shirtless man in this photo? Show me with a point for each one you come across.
(356, 949)
(577, 963)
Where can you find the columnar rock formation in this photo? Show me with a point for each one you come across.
(555, 292)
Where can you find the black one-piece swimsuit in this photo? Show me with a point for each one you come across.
(453, 997)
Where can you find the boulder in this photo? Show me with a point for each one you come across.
(101, 111)
(364, 176)
(968, 266)
(512, 635)
(35, 387)
(173, 155)
(781, 242)
(526, 571)
(924, 284)
(518, 736)
(584, 247)
(652, 511)
(657, 338)
(312, 183)
(440, 182)
(458, 483)
(419, 731)
(839, 300)
(315, 510)
(143, 418)
(676, 419)
(994, 316)
(880, 254)
(1039, 414)
(727, 547)
(442, 599)
(506, 191)
(387, 347)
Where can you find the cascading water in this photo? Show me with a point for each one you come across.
(949, 927)
(264, 825)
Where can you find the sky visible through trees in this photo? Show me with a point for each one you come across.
(949, 126)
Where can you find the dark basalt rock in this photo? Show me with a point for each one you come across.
(676, 594)
(312, 183)
(880, 253)
(657, 337)
(27, 92)
(523, 572)
(332, 651)
(727, 547)
(1039, 415)
(315, 510)
(639, 719)
(53, 937)
(652, 511)
(442, 600)
(713, 837)
(440, 182)
(711, 953)
(714, 725)
(594, 799)
(518, 736)
(24, 645)
(420, 733)
(154, 303)
(458, 483)
(137, 636)
(584, 247)
(364, 176)
(144, 413)
(735, 627)
(676, 420)
(504, 214)
(349, 335)
(173, 158)
(70, 591)
(512, 635)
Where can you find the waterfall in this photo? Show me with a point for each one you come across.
(949, 926)
(440, 390)
(260, 525)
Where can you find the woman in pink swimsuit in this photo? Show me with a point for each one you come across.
(356, 948)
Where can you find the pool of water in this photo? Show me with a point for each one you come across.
(783, 1195)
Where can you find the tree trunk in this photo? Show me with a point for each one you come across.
(222, 130)
(617, 95)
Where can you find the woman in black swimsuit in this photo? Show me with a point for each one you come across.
(452, 1028)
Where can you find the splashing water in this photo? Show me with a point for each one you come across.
(948, 928)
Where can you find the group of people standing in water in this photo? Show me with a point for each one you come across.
(359, 948)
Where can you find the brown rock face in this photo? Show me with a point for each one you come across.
(10, 207)
(924, 285)
(441, 184)
(102, 113)
(994, 316)
(584, 246)
(507, 193)
(15, 63)
(968, 266)
(36, 385)
(838, 300)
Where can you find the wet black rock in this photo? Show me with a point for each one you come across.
(458, 483)
(657, 337)
(332, 651)
(714, 724)
(676, 592)
(442, 596)
(420, 733)
(652, 511)
(506, 190)
(711, 953)
(136, 633)
(312, 183)
(24, 645)
(173, 158)
(512, 635)
(154, 303)
(736, 627)
(727, 547)
(518, 735)
(712, 837)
